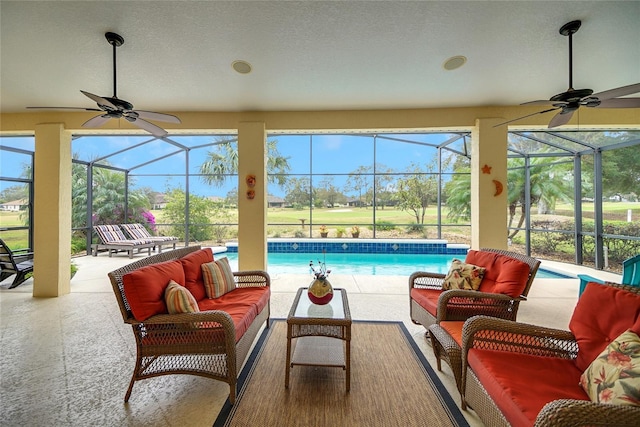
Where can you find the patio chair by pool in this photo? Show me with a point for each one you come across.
(112, 238)
(138, 231)
(630, 274)
(506, 283)
(18, 262)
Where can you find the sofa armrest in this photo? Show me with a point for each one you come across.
(211, 316)
(577, 413)
(249, 278)
(490, 333)
(456, 304)
(204, 328)
(426, 280)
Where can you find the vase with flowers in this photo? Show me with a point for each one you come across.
(320, 291)
(324, 231)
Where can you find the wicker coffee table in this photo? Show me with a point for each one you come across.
(319, 335)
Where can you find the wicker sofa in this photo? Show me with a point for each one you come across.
(213, 342)
(517, 374)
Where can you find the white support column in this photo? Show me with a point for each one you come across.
(252, 207)
(488, 178)
(52, 211)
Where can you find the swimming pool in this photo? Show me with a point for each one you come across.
(364, 264)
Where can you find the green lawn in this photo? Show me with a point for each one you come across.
(15, 239)
(346, 216)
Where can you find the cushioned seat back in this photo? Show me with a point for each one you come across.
(504, 275)
(193, 272)
(136, 231)
(603, 313)
(109, 233)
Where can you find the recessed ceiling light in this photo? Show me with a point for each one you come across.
(242, 67)
(454, 62)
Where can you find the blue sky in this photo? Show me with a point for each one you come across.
(336, 155)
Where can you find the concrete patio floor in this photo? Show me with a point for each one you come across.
(67, 361)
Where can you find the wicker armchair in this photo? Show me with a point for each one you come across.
(202, 343)
(462, 304)
(489, 333)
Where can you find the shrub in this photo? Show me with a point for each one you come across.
(385, 225)
(414, 228)
(200, 209)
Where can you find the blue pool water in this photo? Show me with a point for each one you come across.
(363, 264)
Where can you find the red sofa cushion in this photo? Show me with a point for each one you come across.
(144, 288)
(521, 384)
(504, 275)
(601, 315)
(454, 329)
(427, 298)
(242, 304)
(193, 273)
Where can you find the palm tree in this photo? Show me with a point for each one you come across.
(220, 165)
(458, 196)
(108, 199)
(547, 180)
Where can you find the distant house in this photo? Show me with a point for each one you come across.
(15, 205)
(275, 202)
(160, 201)
(355, 203)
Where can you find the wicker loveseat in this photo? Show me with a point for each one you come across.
(507, 281)
(213, 342)
(517, 374)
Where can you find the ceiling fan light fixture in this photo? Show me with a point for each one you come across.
(241, 67)
(454, 62)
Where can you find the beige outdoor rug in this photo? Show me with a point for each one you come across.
(392, 384)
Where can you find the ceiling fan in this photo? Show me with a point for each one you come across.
(115, 108)
(570, 101)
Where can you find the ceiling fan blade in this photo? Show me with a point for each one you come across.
(560, 119)
(65, 108)
(160, 117)
(96, 121)
(150, 127)
(541, 102)
(617, 92)
(99, 100)
(524, 117)
(620, 103)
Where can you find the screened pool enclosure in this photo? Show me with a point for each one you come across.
(572, 196)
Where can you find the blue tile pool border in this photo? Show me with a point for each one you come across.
(372, 246)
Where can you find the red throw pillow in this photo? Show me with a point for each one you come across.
(483, 259)
(144, 288)
(513, 276)
(193, 273)
(504, 275)
(601, 315)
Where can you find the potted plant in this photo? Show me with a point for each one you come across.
(355, 231)
(324, 232)
(341, 231)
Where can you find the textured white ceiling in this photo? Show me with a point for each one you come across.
(311, 55)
